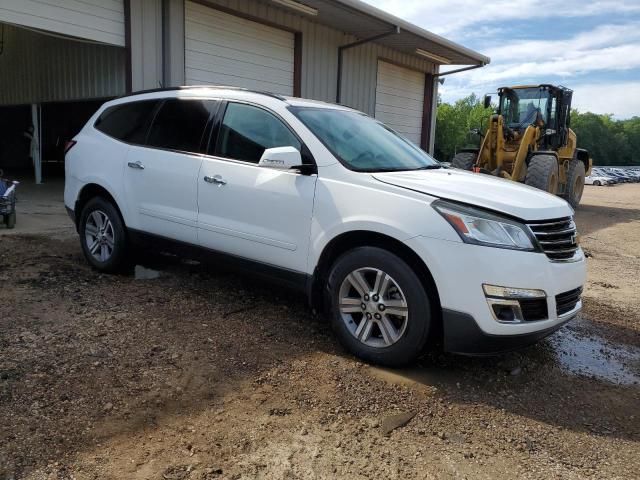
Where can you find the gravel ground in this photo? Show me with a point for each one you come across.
(203, 374)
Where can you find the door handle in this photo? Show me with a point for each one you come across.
(137, 165)
(216, 179)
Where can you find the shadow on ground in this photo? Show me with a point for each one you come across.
(85, 357)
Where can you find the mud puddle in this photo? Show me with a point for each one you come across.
(591, 355)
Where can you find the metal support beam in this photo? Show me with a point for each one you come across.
(342, 48)
(458, 70)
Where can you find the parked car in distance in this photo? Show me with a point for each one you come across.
(621, 176)
(598, 180)
(395, 249)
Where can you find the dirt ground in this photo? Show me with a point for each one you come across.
(206, 374)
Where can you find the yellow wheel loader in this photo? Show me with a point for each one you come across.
(528, 140)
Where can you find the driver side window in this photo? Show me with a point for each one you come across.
(247, 131)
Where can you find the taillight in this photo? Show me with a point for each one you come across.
(69, 145)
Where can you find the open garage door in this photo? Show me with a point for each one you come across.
(97, 20)
(224, 49)
(50, 85)
(400, 99)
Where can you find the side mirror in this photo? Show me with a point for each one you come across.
(280, 158)
(487, 101)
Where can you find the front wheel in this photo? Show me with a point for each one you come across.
(597, 183)
(379, 309)
(542, 173)
(102, 235)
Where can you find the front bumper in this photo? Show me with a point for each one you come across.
(459, 271)
(463, 335)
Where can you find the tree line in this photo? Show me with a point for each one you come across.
(609, 141)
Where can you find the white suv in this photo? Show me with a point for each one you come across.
(394, 247)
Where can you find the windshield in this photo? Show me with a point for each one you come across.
(521, 107)
(362, 143)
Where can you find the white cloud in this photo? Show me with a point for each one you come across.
(452, 17)
(621, 98)
(585, 53)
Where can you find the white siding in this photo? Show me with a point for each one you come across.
(320, 56)
(39, 68)
(225, 49)
(400, 99)
(97, 20)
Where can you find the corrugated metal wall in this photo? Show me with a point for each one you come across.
(38, 68)
(320, 57)
(146, 44)
(99, 20)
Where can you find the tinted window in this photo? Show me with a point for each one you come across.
(127, 122)
(180, 124)
(247, 131)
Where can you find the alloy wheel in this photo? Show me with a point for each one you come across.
(99, 235)
(373, 307)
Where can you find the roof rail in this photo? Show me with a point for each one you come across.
(190, 87)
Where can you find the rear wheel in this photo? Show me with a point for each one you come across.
(102, 235)
(597, 183)
(10, 220)
(575, 183)
(542, 173)
(464, 160)
(379, 308)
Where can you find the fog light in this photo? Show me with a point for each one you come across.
(510, 292)
(506, 311)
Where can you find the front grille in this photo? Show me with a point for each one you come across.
(557, 238)
(534, 309)
(567, 301)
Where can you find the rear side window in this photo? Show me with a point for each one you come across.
(180, 124)
(247, 131)
(128, 122)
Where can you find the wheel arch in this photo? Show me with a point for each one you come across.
(366, 238)
(92, 190)
(583, 155)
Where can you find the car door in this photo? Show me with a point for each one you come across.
(254, 212)
(161, 176)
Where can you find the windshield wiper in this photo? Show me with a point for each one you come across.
(428, 167)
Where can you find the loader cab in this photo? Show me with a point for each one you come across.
(547, 107)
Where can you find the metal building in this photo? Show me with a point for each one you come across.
(59, 59)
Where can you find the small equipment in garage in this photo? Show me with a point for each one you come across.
(529, 140)
(8, 201)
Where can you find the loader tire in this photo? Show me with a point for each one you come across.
(542, 173)
(464, 160)
(575, 183)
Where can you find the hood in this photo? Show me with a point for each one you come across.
(512, 198)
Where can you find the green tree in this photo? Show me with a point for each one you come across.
(454, 122)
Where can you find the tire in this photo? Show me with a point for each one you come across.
(575, 183)
(542, 173)
(111, 253)
(597, 183)
(464, 160)
(10, 220)
(405, 334)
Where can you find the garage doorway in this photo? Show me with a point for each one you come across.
(49, 87)
(400, 94)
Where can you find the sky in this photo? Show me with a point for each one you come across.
(592, 47)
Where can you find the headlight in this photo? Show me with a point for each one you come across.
(483, 228)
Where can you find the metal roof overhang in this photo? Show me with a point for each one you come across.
(364, 21)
